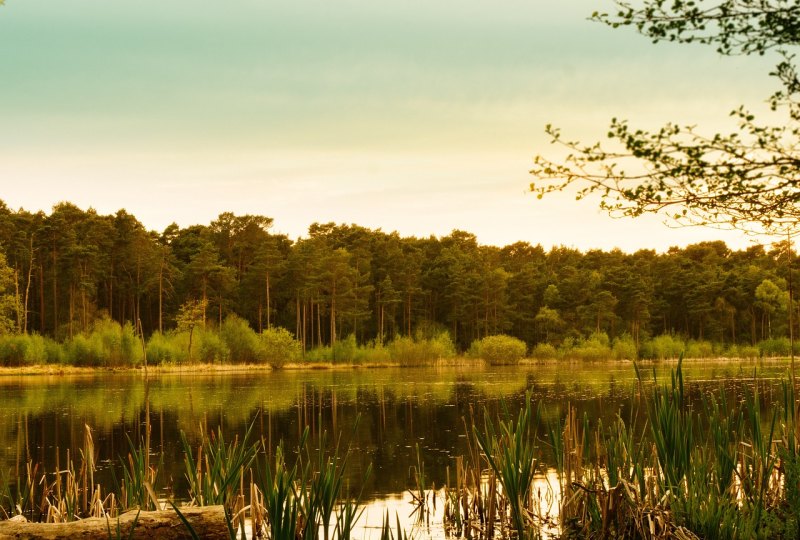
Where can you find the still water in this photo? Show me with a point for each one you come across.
(390, 417)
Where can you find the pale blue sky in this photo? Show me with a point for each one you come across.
(416, 116)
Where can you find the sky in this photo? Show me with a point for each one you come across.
(415, 116)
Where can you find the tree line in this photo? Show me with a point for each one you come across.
(65, 270)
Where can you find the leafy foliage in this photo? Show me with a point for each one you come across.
(499, 349)
(212, 293)
(8, 302)
(278, 346)
(745, 179)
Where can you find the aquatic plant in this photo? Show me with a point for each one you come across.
(511, 453)
(280, 501)
(139, 480)
(216, 472)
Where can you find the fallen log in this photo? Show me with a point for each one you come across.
(207, 522)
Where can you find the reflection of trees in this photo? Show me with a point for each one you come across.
(392, 416)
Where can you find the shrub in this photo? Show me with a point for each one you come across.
(278, 346)
(344, 350)
(403, 349)
(774, 347)
(499, 349)
(347, 350)
(544, 351)
(165, 349)
(439, 346)
(54, 352)
(106, 341)
(663, 347)
(748, 352)
(596, 347)
(23, 350)
(742, 351)
(319, 355)
(413, 352)
(109, 344)
(212, 349)
(240, 340)
(699, 349)
(624, 348)
(373, 353)
(80, 351)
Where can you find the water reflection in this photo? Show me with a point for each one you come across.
(385, 414)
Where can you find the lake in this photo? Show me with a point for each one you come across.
(384, 414)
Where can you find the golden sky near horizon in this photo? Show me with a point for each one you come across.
(418, 117)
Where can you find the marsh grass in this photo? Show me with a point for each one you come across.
(309, 499)
(510, 450)
(723, 470)
(324, 489)
(692, 468)
(387, 533)
(139, 480)
(280, 500)
(216, 473)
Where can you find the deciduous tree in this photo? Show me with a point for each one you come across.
(748, 178)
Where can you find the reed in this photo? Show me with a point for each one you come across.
(323, 486)
(703, 468)
(216, 473)
(418, 496)
(510, 451)
(397, 534)
(280, 501)
(139, 479)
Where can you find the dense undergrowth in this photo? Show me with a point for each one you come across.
(110, 344)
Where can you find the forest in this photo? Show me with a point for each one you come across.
(61, 273)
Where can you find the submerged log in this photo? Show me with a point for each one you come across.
(207, 522)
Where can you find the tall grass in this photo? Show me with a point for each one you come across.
(280, 500)
(139, 481)
(215, 474)
(511, 453)
(704, 467)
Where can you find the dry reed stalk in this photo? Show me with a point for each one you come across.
(492, 513)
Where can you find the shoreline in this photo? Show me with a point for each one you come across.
(459, 362)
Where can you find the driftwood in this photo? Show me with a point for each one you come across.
(207, 522)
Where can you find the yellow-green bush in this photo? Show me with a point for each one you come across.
(499, 349)
(663, 347)
(277, 346)
(544, 351)
(373, 353)
(774, 347)
(344, 350)
(166, 349)
(26, 350)
(624, 348)
(109, 344)
(699, 349)
(240, 340)
(412, 352)
(213, 349)
(596, 347)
